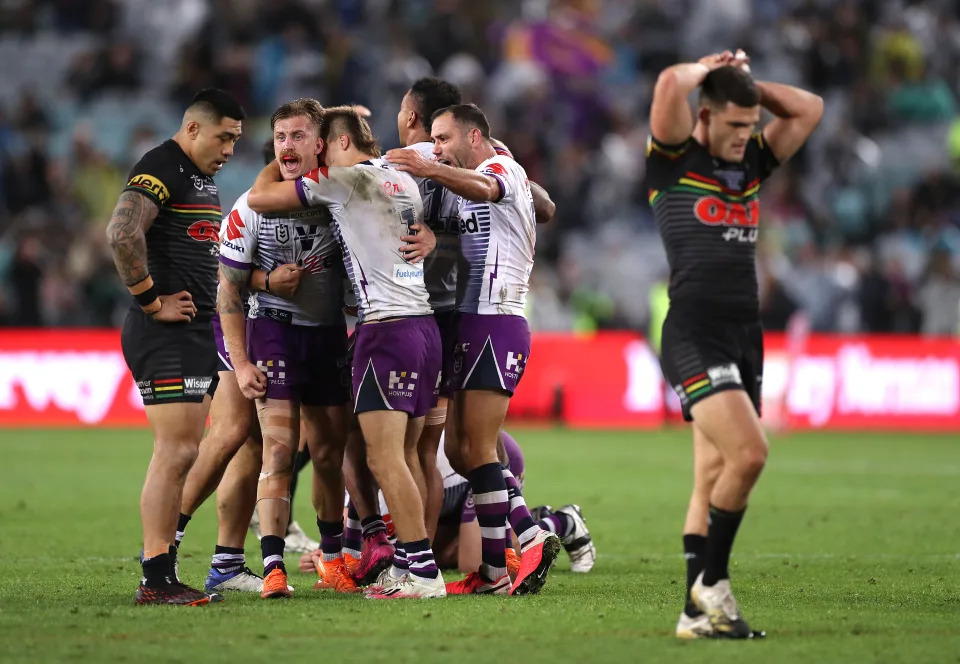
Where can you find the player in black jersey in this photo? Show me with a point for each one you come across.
(163, 234)
(704, 179)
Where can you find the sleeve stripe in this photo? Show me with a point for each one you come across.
(503, 189)
(229, 262)
(301, 193)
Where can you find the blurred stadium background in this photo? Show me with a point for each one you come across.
(860, 232)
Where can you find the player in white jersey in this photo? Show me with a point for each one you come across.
(291, 353)
(397, 356)
(498, 232)
(441, 211)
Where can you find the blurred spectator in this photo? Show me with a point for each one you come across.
(860, 231)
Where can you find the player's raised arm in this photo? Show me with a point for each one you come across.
(543, 206)
(470, 184)
(671, 121)
(270, 193)
(126, 235)
(797, 112)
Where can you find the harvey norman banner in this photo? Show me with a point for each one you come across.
(78, 377)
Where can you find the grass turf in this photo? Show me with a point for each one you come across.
(850, 553)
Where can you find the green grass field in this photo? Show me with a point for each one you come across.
(850, 553)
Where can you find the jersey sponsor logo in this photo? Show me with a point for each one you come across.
(234, 224)
(196, 385)
(469, 225)
(402, 384)
(152, 184)
(515, 365)
(393, 188)
(230, 245)
(282, 233)
(740, 220)
(317, 172)
(495, 169)
(405, 274)
(723, 374)
(204, 231)
(316, 264)
(306, 235)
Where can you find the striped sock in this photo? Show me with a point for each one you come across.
(400, 558)
(372, 525)
(492, 503)
(331, 539)
(227, 559)
(420, 557)
(271, 547)
(557, 522)
(352, 537)
(520, 518)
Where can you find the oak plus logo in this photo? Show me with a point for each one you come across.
(738, 220)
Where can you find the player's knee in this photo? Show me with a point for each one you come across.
(326, 459)
(177, 456)
(752, 459)
(278, 455)
(382, 460)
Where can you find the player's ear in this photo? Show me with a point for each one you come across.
(703, 114)
(412, 119)
(344, 142)
(193, 129)
(320, 146)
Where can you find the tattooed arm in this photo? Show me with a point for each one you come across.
(126, 234)
(230, 305)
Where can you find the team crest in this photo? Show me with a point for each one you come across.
(733, 179)
(459, 351)
(283, 234)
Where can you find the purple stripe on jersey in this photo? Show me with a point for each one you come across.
(229, 262)
(503, 187)
(301, 194)
(493, 275)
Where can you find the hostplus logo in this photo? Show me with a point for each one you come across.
(516, 363)
(401, 384)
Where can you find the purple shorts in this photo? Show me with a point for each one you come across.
(301, 363)
(223, 361)
(396, 366)
(491, 352)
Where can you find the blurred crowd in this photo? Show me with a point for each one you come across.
(860, 232)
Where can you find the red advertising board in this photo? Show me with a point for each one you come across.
(612, 379)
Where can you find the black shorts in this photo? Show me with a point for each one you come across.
(170, 363)
(447, 324)
(702, 355)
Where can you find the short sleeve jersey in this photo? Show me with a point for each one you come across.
(441, 212)
(182, 243)
(304, 237)
(373, 206)
(497, 242)
(708, 213)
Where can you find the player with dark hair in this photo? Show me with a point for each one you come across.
(704, 179)
(397, 353)
(163, 235)
(492, 342)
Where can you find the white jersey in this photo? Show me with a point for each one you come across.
(305, 237)
(441, 212)
(497, 244)
(373, 206)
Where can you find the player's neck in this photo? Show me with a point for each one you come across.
(481, 154)
(414, 136)
(181, 139)
(701, 136)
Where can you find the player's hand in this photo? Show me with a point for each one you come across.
(420, 245)
(285, 280)
(176, 308)
(410, 161)
(251, 380)
(362, 110)
(308, 562)
(717, 60)
(741, 60)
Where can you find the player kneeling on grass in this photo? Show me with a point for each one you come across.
(705, 179)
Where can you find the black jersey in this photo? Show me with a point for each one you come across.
(707, 211)
(183, 242)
